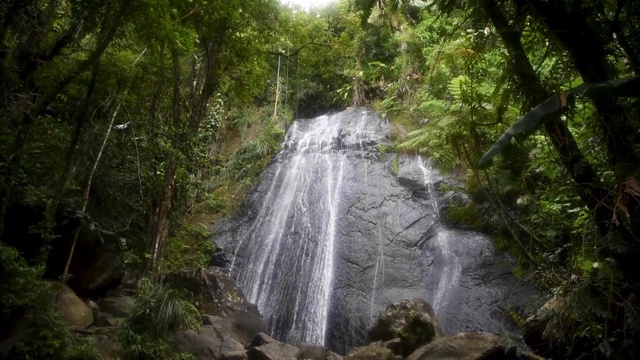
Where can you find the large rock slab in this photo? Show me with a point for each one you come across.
(463, 346)
(315, 352)
(74, 311)
(412, 321)
(216, 294)
(376, 350)
(274, 350)
(117, 306)
(208, 343)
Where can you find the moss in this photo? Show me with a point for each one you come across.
(464, 214)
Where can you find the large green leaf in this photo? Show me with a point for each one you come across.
(554, 105)
(525, 126)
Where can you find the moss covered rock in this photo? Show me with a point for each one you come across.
(413, 321)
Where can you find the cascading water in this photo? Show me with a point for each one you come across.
(445, 259)
(337, 230)
(299, 215)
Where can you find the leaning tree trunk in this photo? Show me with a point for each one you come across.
(620, 216)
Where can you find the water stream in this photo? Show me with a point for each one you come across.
(445, 260)
(336, 231)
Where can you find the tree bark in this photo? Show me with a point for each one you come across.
(163, 204)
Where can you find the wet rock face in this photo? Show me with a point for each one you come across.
(337, 230)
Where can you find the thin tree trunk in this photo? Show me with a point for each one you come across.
(87, 189)
(162, 213)
(66, 174)
(275, 105)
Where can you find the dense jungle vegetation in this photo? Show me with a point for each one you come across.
(135, 124)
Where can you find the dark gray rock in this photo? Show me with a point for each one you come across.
(394, 345)
(372, 351)
(274, 351)
(260, 339)
(412, 321)
(117, 306)
(218, 295)
(463, 346)
(105, 320)
(208, 343)
(315, 352)
(338, 194)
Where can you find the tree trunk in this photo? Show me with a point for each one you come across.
(163, 201)
(23, 120)
(591, 60)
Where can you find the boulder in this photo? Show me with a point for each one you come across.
(216, 294)
(106, 320)
(372, 351)
(74, 311)
(117, 306)
(274, 350)
(413, 321)
(316, 352)
(100, 267)
(463, 346)
(208, 343)
(260, 339)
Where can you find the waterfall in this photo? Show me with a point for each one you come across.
(299, 216)
(336, 231)
(446, 261)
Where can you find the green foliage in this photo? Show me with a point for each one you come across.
(158, 312)
(190, 248)
(28, 298)
(21, 286)
(246, 165)
(395, 169)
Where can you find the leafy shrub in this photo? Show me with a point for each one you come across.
(190, 248)
(158, 312)
(26, 296)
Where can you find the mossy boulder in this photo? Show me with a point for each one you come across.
(74, 311)
(413, 321)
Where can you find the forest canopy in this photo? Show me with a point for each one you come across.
(135, 124)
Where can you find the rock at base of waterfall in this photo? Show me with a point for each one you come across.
(413, 321)
(210, 342)
(316, 352)
(274, 350)
(215, 293)
(464, 346)
(375, 350)
(260, 339)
